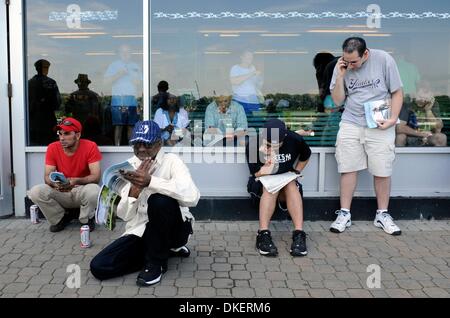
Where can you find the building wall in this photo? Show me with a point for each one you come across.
(415, 174)
(195, 53)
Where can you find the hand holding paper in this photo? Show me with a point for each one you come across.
(276, 182)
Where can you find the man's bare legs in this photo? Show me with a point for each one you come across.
(382, 187)
(118, 133)
(294, 203)
(266, 208)
(348, 186)
(291, 195)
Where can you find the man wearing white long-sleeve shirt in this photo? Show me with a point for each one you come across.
(155, 206)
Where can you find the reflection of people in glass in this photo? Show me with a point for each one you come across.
(159, 99)
(225, 117)
(421, 127)
(409, 74)
(83, 103)
(172, 124)
(327, 124)
(324, 63)
(43, 100)
(124, 76)
(247, 82)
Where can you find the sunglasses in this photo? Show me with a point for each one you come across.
(66, 123)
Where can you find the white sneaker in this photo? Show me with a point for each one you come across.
(342, 222)
(385, 221)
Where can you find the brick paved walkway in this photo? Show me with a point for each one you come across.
(224, 262)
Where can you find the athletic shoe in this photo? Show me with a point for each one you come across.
(264, 244)
(179, 252)
(343, 221)
(298, 247)
(385, 221)
(150, 275)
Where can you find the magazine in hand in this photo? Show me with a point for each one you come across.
(58, 177)
(377, 110)
(113, 179)
(109, 196)
(106, 211)
(276, 182)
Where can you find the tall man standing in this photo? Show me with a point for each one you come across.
(362, 75)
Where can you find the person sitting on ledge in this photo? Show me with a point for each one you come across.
(79, 160)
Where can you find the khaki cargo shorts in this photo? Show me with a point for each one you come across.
(359, 148)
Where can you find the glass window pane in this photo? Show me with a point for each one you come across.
(263, 54)
(84, 59)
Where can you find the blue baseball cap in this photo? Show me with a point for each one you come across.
(146, 131)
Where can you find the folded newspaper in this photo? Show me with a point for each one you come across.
(276, 182)
(109, 196)
(58, 177)
(377, 110)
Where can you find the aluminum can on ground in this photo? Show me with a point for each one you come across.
(84, 234)
(34, 214)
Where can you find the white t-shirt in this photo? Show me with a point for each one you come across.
(161, 119)
(124, 86)
(247, 91)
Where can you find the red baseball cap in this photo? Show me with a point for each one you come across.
(69, 124)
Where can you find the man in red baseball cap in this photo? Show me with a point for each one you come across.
(69, 124)
(76, 185)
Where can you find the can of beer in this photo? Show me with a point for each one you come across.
(34, 214)
(84, 233)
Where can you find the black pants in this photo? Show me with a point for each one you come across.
(130, 253)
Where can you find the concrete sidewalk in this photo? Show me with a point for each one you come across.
(224, 262)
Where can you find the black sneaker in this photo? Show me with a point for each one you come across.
(90, 223)
(150, 275)
(298, 247)
(179, 252)
(264, 244)
(61, 225)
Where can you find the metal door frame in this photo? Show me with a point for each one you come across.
(6, 190)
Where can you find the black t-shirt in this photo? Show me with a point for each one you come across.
(294, 147)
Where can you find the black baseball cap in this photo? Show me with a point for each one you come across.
(274, 131)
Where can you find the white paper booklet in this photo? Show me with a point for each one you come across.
(377, 110)
(276, 182)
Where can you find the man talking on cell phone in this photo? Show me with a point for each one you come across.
(361, 76)
(154, 206)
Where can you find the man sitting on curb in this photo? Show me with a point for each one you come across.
(154, 205)
(79, 161)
